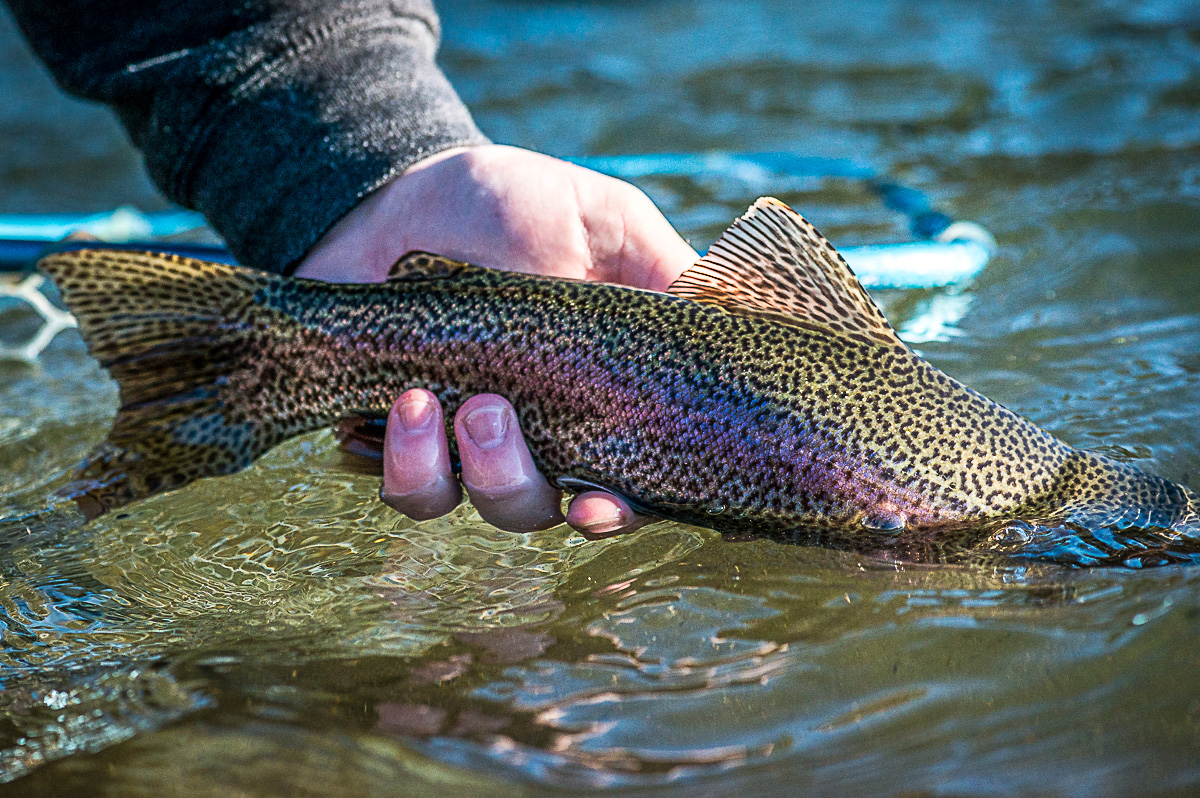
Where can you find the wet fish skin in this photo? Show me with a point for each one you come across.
(766, 393)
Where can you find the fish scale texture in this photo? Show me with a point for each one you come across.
(740, 421)
(691, 412)
(688, 410)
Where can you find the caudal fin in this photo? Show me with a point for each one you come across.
(174, 333)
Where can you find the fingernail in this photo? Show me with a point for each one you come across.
(415, 413)
(487, 426)
(606, 519)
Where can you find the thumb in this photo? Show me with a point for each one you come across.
(653, 254)
(630, 241)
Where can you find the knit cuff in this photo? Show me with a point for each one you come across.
(288, 124)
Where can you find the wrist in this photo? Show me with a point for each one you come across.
(364, 243)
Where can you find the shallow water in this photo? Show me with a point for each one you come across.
(278, 632)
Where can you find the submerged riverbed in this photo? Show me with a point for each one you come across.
(280, 632)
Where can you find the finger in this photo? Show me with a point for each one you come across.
(417, 479)
(597, 514)
(498, 471)
(652, 254)
(629, 239)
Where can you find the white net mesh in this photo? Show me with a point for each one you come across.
(28, 290)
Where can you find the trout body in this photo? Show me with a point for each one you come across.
(764, 393)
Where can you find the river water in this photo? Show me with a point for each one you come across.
(280, 633)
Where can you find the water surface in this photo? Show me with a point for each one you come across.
(279, 632)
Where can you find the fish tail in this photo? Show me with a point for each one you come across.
(174, 333)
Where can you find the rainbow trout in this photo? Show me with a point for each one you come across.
(764, 392)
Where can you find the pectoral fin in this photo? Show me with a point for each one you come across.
(577, 486)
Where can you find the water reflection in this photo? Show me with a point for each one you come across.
(663, 656)
(277, 632)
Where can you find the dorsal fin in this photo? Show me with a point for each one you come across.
(426, 266)
(772, 262)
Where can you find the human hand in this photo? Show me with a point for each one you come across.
(509, 209)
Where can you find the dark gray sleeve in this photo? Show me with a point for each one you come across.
(271, 117)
